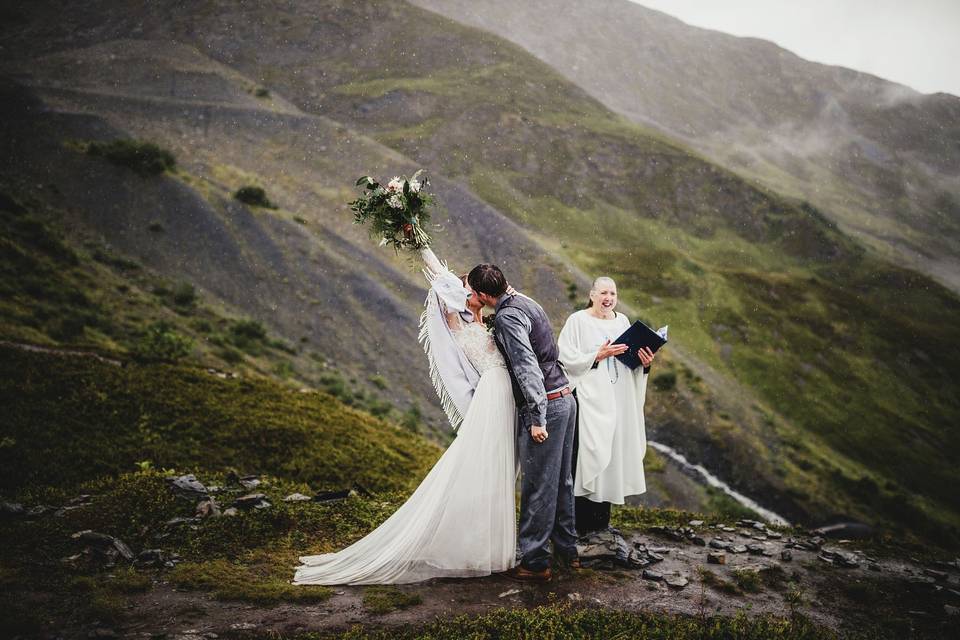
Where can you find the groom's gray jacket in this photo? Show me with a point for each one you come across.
(524, 336)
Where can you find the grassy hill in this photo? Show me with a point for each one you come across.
(876, 157)
(806, 370)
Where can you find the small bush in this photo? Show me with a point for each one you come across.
(144, 158)
(184, 295)
(162, 342)
(665, 381)
(255, 196)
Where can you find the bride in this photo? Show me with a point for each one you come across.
(460, 521)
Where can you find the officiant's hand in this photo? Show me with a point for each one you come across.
(607, 350)
(538, 433)
(645, 355)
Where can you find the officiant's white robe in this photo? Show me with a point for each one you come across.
(612, 436)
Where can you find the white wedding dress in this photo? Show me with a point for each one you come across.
(460, 521)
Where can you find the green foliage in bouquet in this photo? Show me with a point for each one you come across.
(397, 212)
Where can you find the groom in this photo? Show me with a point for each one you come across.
(547, 412)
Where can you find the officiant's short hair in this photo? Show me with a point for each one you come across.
(488, 279)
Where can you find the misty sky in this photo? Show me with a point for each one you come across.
(914, 42)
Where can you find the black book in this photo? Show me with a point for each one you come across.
(639, 335)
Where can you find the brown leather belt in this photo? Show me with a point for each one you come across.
(558, 394)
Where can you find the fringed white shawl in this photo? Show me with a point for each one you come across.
(452, 374)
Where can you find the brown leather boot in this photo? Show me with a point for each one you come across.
(522, 574)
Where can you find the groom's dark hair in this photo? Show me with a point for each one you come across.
(488, 279)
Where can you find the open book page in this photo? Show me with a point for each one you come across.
(662, 331)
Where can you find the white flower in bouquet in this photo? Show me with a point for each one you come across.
(395, 185)
(415, 186)
(395, 202)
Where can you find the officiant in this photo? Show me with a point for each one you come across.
(610, 441)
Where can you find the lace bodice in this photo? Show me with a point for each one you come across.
(478, 345)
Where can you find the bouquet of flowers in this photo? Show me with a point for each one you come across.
(397, 212)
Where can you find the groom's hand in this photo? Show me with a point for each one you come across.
(538, 433)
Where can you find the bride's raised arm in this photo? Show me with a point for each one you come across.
(448, 287)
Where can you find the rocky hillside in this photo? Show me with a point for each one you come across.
(880, 159)
(781, 375)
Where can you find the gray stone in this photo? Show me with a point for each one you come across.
(738, 548)
(936, 575)
(608, 549)
(676, 582)
(104, 541)
(650, 574)
(249, 482)
(696, 523)
(230, 511)
(297, 497)
(188, 484)
(839, 557)
(207, 509)
(728, 529)
(774, 535)
(716, 557)
(786, 555)
(716, 543)
(11, 509)
(699, 540)
(252, 501)
(756, 549)
(151, 557)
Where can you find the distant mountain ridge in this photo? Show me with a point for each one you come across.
(879, 158)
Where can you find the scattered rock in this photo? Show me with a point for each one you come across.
(676, 581)
(188, 485)
(11, 509)
(738, 548)
(509, 592)
(838, 557)
(574, 597)
(716, 557)
(650, 574)
(39, 510)
(608, 549)
(252, 501)
(728, 529)
(156, 558)
(230, 511)
(297, 497)
(101, 548)
(176, 522)
(695, 523)
(774, 535)
(936, 575)
(873, 566)
(207, 509)
(249, 482)
(82, 499)
(333, 496)
(716, 543)
(756, 549)
(699, 541)
(243, 626)
(786, 555)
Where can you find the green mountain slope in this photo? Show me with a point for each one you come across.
(878, 158)
(805, 369)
